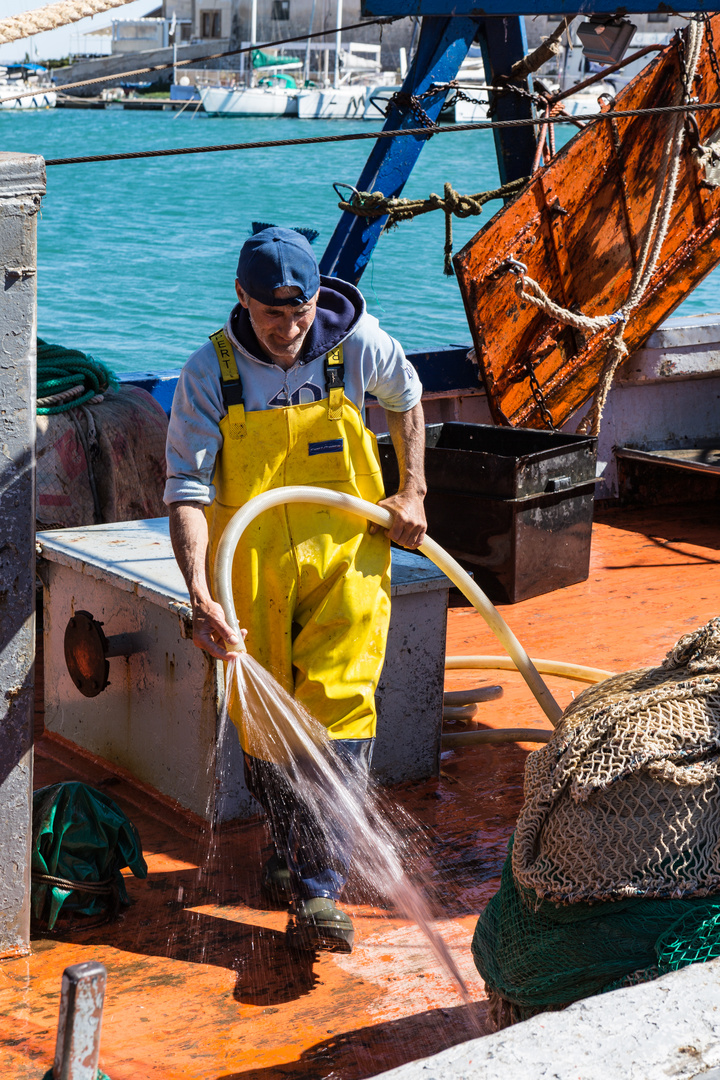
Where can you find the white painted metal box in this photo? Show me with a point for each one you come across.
(158, 718)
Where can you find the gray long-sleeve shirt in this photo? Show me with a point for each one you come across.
(374, 363)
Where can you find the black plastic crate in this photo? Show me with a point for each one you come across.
(514, 505)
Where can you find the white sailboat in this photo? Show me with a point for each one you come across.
(270, 97)
(32, 80)
(275, 94)
(333, 103)
(342, 100)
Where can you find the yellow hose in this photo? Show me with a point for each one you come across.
(352, 505)
(545, 667)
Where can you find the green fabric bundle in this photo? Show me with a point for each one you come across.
(67, 378)
(81, 842)
(537, 955)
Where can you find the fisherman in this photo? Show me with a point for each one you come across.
(277, 398)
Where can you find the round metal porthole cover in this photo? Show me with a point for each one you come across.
(85, 654)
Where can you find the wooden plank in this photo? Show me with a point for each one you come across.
(579, 226)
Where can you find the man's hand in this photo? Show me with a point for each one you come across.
(409, 523)
(189, 535)
(211, 631)
(407, 431)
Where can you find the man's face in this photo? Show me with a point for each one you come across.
(281, 329)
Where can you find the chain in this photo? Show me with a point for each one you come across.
(460, 95)
(711, 49)
(539, 396)
(503, 88)
(413, 103)
(682, 57)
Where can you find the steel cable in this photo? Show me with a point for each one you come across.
(424, 133)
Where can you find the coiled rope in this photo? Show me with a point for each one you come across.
(67, 378)
(373, 204)
(657, 228)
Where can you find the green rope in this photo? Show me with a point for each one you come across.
(60, 370)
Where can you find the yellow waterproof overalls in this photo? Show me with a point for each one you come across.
(311, 585)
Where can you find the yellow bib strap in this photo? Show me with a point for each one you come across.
(232, 389)
(335, 382)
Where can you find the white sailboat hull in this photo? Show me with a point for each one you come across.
(249, 101)
(42, 99)
(468, 112)
(343, 103)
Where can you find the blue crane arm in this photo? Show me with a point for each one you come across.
(443, 44)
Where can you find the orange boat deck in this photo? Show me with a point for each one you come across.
(200, 984)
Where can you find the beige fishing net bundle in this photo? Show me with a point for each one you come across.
(623, 802)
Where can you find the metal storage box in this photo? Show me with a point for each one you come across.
(158, 717)
(514, 505)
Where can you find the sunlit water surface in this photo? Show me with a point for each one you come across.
(137, 258)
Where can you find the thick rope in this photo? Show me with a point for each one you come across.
(67, 378)
(656, 232)
(373, 204)
(547, 49)
(51, 16)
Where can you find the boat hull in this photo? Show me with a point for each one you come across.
(249, 101)
(344, 103)
(43, 99)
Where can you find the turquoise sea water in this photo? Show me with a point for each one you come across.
(137, 258)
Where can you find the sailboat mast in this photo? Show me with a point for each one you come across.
(253, 41)
(338, 44)
(306, 73)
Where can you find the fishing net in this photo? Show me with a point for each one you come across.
(535, 955)
(614, 872)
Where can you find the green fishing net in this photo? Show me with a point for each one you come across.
(81, 842)
(537, 955)
(613, 875)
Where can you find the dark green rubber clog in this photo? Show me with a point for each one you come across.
(319, 924)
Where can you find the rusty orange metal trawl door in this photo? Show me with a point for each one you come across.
(579, 227)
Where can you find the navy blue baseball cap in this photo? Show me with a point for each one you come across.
(274, 258)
